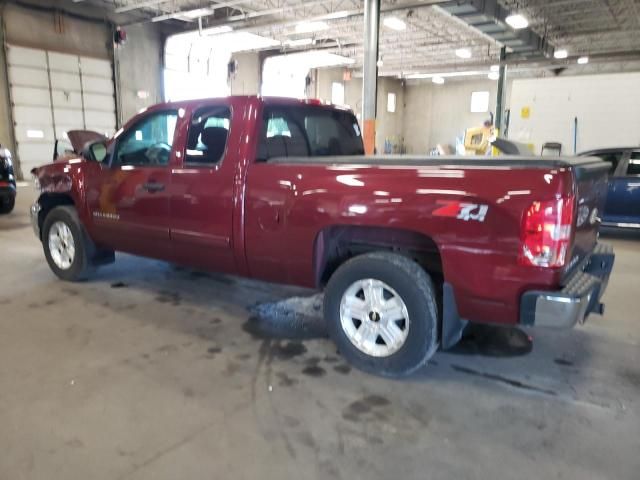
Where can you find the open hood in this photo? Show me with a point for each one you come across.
(79, 138)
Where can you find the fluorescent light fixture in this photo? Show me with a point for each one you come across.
(316, 59)
(495, 68)
(413, 76)
(583, 60)
(394, 23)
(562, 53)
(216, 30)
(301, 42)
(196, 13)
(493, 75)
(517, 21)
(437, 80)
(463, 53)
(309, 27)
(336, 15)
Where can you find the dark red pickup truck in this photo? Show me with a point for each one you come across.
(407, 249)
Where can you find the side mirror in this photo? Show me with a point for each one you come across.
(96, 151)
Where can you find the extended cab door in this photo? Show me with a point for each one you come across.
(128, 198)
(201, 202)
(627, 190)
(615, 207)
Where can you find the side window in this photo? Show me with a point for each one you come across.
(634, 164)
(148, 143)
(208, 133)
(282, 136)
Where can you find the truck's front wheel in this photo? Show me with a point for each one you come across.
(381, 311)
(67, 248)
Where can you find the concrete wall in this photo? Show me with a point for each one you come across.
(607, 108)
(437, 114)
(140, 69)
(389, 125)
(248, 75)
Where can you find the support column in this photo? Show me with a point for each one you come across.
(500, 101)
(370, 73)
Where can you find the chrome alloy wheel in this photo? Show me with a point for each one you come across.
(374, 317)
(61, 245)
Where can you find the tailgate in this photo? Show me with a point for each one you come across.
(591, 192)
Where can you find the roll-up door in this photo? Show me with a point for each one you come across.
(52, 93)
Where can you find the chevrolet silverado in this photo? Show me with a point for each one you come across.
(408, 249)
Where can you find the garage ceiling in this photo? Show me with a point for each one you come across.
(605, 30)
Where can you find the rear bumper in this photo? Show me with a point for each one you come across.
(579, 296)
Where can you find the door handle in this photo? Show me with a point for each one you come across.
(152, 187)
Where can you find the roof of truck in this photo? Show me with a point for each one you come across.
(268, 100)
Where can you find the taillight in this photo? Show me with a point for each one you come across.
(547, 229)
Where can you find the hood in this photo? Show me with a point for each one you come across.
(79, 138)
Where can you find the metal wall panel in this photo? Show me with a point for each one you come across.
(26, 57)
(93, 84)
(96, 67)
(63, 62)
(24, 96)
(102, 119)
(28, 77)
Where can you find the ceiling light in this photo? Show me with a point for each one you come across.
(517, 21)
(438, 80)
(463, 53)
(495, 68)
(413, 76)
(583, 60)
(379, 63)
(394, 23)
(301, 42)
(335, 15)
(562, 53)
(308, 27)
(198, 12)
(493, 75)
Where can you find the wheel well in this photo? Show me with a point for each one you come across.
(48, 201)
(335, 245)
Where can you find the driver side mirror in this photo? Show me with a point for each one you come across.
(96, 151)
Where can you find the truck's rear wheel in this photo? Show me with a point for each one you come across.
(381, 311)
(67, 248)
(7, 204)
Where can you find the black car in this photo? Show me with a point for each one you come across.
(7, 182)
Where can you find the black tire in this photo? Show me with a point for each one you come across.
(7, 204)
(81, 267)
(416, 290)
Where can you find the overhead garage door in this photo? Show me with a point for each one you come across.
(52, 93)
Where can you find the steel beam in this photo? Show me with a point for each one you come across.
(370, 73)
(500, 101)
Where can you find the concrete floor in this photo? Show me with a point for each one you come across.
(149, 371)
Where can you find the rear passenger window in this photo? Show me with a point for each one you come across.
(308, 131)
(208, 133)
(634, 164)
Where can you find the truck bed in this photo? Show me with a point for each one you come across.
(511, 161)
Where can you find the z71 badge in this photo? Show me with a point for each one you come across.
(461, 210)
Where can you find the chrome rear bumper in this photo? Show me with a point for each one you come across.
(579, 296)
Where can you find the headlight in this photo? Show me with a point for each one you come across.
(36, 183)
